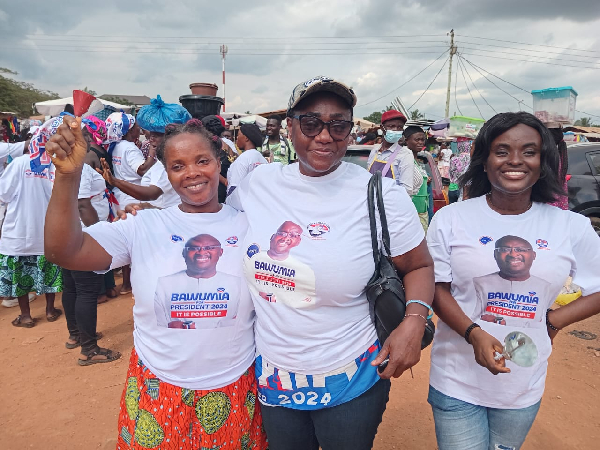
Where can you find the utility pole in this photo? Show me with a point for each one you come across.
(223, 53)
(452, 52)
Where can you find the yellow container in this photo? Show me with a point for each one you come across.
(565, 299)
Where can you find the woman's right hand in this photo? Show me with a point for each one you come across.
(67, 147)
(485, 347)
(105, 172)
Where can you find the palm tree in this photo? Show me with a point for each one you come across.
(415, 114)
(584, 122)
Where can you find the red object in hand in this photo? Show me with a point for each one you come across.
(81, 102)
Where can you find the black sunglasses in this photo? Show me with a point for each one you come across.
(312, 126)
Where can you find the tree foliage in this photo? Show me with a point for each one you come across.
(415, 114)
(18, 96)
(375, 116)
(119, 100)
(89, 91)
(585, 122)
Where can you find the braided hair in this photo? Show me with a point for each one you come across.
(193, 126)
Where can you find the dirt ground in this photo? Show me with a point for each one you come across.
(48, 401)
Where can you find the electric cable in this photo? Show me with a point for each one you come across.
(432, 81)
(475, 86)
(468, 89)
(524, 43)
(538, 62)
(455, 82)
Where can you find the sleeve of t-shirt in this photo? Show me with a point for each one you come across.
(156, 176)
(404, 171)
(586, 250)
(116, 238)
(85, 185)
(439, 246)
(134, 157)
(404, 225)
(10, 181)
(242, 166)
(235, 199)
(13, 150)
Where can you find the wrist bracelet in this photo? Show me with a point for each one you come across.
(548, 324)
(415, 314)
(422, 303)
(469, 330)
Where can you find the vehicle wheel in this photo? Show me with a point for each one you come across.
(596, 224)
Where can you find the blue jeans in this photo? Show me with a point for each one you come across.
(462, 426)
(349, 426)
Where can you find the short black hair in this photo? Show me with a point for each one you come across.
(546, 189)
(276, 117)
(193, 126)
(69, 108)
(501, 242)
(213, 124)
(252, 132)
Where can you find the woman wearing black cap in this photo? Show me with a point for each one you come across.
(415, 141)
(307, 260)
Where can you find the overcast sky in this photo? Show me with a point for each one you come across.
(151, 47)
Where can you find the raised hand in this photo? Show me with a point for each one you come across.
(67, 147)
(105, 172)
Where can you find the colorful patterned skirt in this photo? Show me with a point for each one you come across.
(20, 275)
(159, 415)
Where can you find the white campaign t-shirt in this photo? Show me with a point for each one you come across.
(27, 194)
(127, 159)
(462, 239)
(242, 166)
(157, 176)
(7, 149)
(195, 350)
(312, 310)
(93, 186)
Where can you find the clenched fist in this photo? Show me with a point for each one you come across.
(67, 147)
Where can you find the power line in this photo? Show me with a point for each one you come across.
(278, 38)
(524, 43)
(587, 114)
(525, 49)
(478, 91)
(501, 79)
(406, 82)
(538, 62)
(432, 81)
(527, 56)
(455, 82)
(468, 89)
(476, 67)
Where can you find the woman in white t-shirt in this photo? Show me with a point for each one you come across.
(248, 139)
(501, 258)
(190, 381)
(307, 259)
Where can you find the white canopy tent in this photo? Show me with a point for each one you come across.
(55, 107)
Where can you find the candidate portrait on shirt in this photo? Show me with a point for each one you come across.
(280, 277)
(512, 296)
(199, 296)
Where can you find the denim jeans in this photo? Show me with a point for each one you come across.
(349, 426)
(462, 426)
(80, 301)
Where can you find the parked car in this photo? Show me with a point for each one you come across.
(359, 155)
(583, 181)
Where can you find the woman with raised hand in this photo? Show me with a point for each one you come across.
(501, 258)
(190, 382)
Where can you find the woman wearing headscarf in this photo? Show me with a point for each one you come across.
(500, 261)
(458, 166)
(26, 186)
(415, 141)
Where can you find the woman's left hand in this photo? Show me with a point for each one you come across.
(402, 347)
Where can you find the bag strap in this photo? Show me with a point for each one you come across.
(390, 160)
(372, 220)
(385, 234)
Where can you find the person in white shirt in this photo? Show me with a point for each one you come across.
(444, 160)
(391, 157)
(484, 251)
(171, 369)
(9, 151)
(316, 365)
(248, 138)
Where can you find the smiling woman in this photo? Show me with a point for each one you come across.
(501, 259)
(194, 319)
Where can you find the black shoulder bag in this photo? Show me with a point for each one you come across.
(385, 291)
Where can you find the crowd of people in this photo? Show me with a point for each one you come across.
(252, 327)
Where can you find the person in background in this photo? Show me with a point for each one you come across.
(189, 387)
(248, 138)
(368, 139)
(26, 186)
(227, 136)
(459, 164)
(69, 109)
(415, 141)
(444, 160)
(481, 399)
(277, 148)
(390, 157)
(214, 124)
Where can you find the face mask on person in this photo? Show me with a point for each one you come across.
(392, 136)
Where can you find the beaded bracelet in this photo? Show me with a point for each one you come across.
(469, 330)
(422, 303)
(548, 324)
(420, 315)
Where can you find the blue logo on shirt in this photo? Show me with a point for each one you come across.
(175, 238)
(252, 250)
(485, 240)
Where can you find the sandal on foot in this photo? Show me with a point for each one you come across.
(110, 356)
(124, 291)
(18, 322)
(78, 342)
(54, 316)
